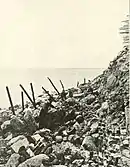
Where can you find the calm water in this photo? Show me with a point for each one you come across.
(13, 77)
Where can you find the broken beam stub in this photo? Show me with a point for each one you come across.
(53, 85)
(62, 85)
(28, 95)
(10, 100)
(84, 80)
(48, 93)
(22, 96)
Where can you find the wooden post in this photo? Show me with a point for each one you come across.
(53, 85)
(27, 95)
(77, 84)
(62, 85)
(84, 80)
(33, 93)
(22, 96)
(10, 100)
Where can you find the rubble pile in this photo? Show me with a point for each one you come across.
(87, 126)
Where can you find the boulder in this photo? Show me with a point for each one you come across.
(17, 124)
(35, 161)
(13, 160)
(30, 122)
(88, 143)
(89, 99)
(58, 139)
(19, 143)
(6, 126)
(15, 139)
(111, 80)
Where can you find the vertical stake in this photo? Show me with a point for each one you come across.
(32, 93)
(22, 96)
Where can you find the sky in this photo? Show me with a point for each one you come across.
(60, 33)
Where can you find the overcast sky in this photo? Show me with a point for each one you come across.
(60, 33)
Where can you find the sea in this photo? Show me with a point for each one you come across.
(12, 77)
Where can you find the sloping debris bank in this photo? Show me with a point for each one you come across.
(87, 126)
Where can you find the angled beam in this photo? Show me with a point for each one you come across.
(33, 93)
(48, 93)
(62, 85)
(10, 100)
(27, 95)
(53, 85)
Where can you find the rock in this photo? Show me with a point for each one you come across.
(35, 161)
(15, 139)
(78, 162)
(4, 116)
(43, 132)
(127, 114)
(95, 135)
(70, 138)
(125, 142)
(77, 126)
(30, 122)
(58, 139)
(97, 106)
(13, 160)
(88, 143)
(79, 95)
(17, 124)
(105, 106)
(89, 99)
(6, 126)
(36, 137)
(19, 143)
(79, 118)
(71, 101)
(123, 131)
(36, 113)
(9, 137)
(94, 126)
(111, 80)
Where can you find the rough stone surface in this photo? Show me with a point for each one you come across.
(13, 160)
(35, 161)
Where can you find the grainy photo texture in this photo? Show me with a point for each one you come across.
(64, 83)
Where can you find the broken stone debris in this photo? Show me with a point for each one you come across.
(89, 128)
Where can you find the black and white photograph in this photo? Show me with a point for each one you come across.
(64, 83)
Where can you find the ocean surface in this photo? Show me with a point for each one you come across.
(13, 77)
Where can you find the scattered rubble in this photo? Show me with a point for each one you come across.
(88, 126)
